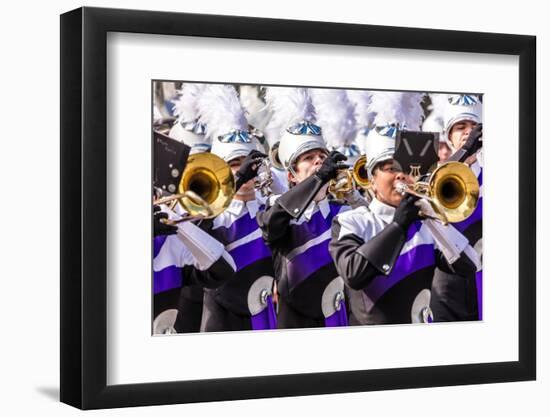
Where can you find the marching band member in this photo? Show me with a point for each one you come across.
(456, 298)
(296, 225)
(189, 130)
(186, 245)
(385, 253)
(335, 114)
(245, 301)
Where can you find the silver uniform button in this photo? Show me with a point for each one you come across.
(175, 172)
(427, 315)
(338, 300)
(386, 267)
(296, 210)
(172, 188)
(263, 296)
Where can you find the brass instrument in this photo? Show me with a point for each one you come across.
(205, 189)
(264, 179)
(348, 178)
(452, 190)
(274, 157)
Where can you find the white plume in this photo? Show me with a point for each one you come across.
(335, 115)
(185, 105)
(439, 104)
(397, 108)
(256, 111)
(220, 110)
(288, 106)
(362, 99)
(435, 120)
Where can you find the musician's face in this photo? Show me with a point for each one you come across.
(459, 133)
(385, 177)
(307, 164)
(248, 187)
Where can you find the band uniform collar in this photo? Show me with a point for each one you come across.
(382, 210)
(324, 208)
(236, 207)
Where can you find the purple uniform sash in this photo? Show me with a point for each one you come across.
(266, 319)
(169, 277)
(303, 265)
(248, 252)
(339, 318)
(417, 258)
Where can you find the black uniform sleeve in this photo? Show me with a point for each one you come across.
(218, 273)
(275, 219)
(357, 261)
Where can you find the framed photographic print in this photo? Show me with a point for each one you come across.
(258, 208)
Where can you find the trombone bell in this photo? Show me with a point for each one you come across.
(455, 188)
(209, 178)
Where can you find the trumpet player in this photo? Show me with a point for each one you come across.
(296, 224)
(458, 298)
(385, 253)
(245, 301)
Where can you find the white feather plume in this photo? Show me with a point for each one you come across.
(335, 115)
(397, 108)
(435, 120)
(362, 99)
(220, 110)
(439, 104)
(185, 105)
(288, 106)
(256, 111)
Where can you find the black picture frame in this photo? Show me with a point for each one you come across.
(84, 207)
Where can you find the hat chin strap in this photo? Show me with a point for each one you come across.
(292, 172)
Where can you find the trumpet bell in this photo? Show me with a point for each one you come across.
(348, 178)
(274, 157)
(360, 174)
(208, 185)
(455, 188)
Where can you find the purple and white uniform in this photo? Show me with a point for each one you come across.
(174, 263)
(311, 294)
(245, 301)
(461, 299)
(401, 294)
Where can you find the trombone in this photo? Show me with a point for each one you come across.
(348, 178)
(205, 190)
(452, 191)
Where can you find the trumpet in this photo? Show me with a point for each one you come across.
(206, 187)
(452, 191)
(348, 178)
(264, 179)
